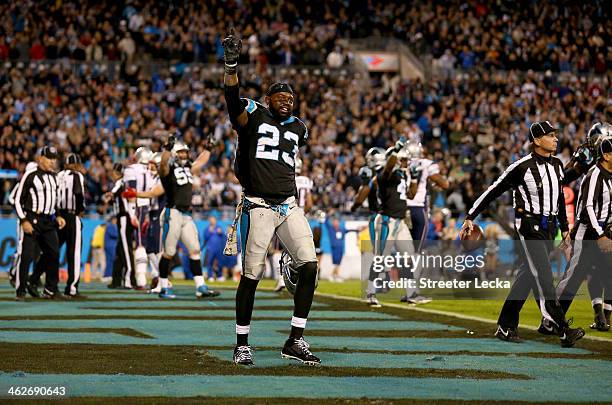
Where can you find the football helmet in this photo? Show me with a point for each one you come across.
(156, 158)
(143, 155)
(298, 165)
(288, 272)
(414, 150)
(375, 158)
(179, 147)
(595, 134)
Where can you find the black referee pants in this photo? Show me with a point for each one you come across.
(123, 267)
(44, 238)
(71, 235)
(587, 259)
(535, 274)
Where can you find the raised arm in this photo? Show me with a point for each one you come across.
(232, 45)
(199, 163)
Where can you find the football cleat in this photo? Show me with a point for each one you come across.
(600, 323)
(20, 297)
(417, 300)
(204, 292)
(166, 293)
(548, 328)
(243, 355)
(507, 335)
(299, 349)
(32, 290)
(570, 336)
(372, 301)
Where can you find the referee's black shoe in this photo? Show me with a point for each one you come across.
(20, 297)
(569, 336)
(299, 349)
(32, 289)
(53, 295)
(507, 334)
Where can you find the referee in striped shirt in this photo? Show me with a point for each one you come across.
(70, 206)
(35, 202)
(539, 205)
(593, 238)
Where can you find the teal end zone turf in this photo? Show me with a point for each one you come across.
(575, 389)
(550, 378)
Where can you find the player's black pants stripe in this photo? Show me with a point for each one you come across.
(535, 274)
(71, 235)
(44, 238)
(123, 267)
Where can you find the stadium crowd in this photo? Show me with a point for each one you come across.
(473, 124)
(560, 36)
(472, 119)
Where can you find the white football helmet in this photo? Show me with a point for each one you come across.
(178, 147)
(414, 149)
(156, 158)
(375, 158)
(143, 155)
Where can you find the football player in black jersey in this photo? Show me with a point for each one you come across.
(268, 141)
(392, 234)
(175, 173)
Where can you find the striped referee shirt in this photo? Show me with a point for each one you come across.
(595, 200)
(36, 193)
(71, 190)
(535, 182)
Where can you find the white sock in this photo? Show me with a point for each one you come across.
(199, 281)
(243, 329)
(298, 322)
(163, 282)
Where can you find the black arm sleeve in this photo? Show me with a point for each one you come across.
(235, 106)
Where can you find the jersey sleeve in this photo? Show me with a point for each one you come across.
(433, 168)
(249, 105)
(304, 135)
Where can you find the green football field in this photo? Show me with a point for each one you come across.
(137, 348)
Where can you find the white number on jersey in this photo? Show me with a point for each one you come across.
(401, 190)
(183, 175)
(272, 141)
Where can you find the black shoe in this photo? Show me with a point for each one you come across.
(12, 280)
(32, 290)
(243, 355)
(56, 295)
(507, 335)
(570, 336)
(599, 323)
(548, 328)
(20, 297)
(299, 350)
(114, 286)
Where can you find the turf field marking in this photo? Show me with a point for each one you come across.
(446, 313)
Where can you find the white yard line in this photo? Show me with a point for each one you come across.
(445, 313)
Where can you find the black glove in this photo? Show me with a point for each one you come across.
(209, 143)
(169, 143)
(232, 45)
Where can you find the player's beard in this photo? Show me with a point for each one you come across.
(278, 114)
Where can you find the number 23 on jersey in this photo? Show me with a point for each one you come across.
(268, 144)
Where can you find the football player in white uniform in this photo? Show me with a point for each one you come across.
(426, 170)
(139, 177)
